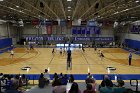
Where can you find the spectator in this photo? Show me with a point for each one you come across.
(107, 88)
(91, 80)
(64, 80)
(20, 81)
(47, 76)
(1, 75)
(2, 85)
(24, 80)
(56, 82)
(74, 88)
(89, 89)
(9, 83)
(71, 79)
(59, 88)
(42, 81)
(55, 76)
(106, 77)
(120, 88)
(89, 75)
(61, 76)
(16, 82)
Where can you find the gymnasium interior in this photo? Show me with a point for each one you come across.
(69, 46)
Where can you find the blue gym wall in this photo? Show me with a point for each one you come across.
(133, 43)
(5, 44)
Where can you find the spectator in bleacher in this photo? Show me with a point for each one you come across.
(47, 76)
(9, 83)
(55, 82)
(64, 80)
(107, 88)
(89, 75)
(71, 79)
(3, 84)
(24, 80)
(59, 88)
(1, 75)
(89, 89)
(106, 78)
(74, 88)
(55, 76)
(42, 81)
(119, 88)
(91, 80)
(61, 76)
(16, 82)
(20, 81)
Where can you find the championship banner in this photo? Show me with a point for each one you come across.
(43, 29)
(49, 29)
(74, 30)
(83, 30)
(35, 22)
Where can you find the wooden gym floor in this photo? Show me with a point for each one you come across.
(42, 58)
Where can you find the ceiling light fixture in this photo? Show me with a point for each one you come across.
(1, 0)
(116, 12)
(69, 0)
(68, 16)
(69, 10)
(137, 1)
(17, 6)
(69, 6)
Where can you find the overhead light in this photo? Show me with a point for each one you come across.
(17, 6)
(69, 6)
(69, 0)
(133, 17)
(68, 16)
(116, 12)
(1, 0)
(69, 10)
(137, 1)
(68, 19)
(2, 20)
(11, 8)
(126, 10)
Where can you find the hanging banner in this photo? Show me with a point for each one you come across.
(49, 29)
(35, 22)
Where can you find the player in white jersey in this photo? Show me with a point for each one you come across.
(12, 53)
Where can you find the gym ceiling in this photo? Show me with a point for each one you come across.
(123, 10)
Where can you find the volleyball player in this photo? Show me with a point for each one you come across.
(27, 50)
(101, 55)
(31, 47)
(61, 51)
(12, 53)
(83, 49)
(95, 48)
(64, 51)
(53, 51)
